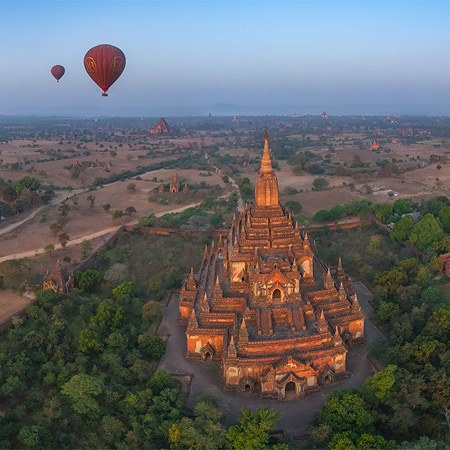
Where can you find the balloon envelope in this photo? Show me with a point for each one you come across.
(104, 64)
(57, 71)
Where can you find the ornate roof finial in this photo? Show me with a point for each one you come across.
(337, 339)
(212, 248)
(232, 351)
(192, 322)
(342, 293)
(328, 282)
(204, 304)
(306, 239)
(205, 252)
(322, 325)
(243, 332)
(355, 305)
(266, 162)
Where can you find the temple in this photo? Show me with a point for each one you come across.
(265, 306)
(58, 279)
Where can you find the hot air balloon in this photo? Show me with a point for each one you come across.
(104, 64)
(57, 71)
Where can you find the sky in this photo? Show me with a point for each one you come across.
(225, 56)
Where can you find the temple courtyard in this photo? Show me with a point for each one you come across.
(205, 376)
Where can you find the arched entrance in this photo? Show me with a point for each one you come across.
(208, 356)
(290, 386)
(276, 295)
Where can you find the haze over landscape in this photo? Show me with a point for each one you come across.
(230, 57)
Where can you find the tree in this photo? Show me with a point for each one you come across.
(320, 183)
(107, 207)
(204, 432)
(152, 345)
(27, 182)
(82, 391)
(117, 214)
(147, 221)
(63, 239)
(88, 280)
(252, 430)
(64, 210)
(403, 206)
(85, 248)
(294, 206)
(130, 210)
(123, 290)
(56, 228)
(444, 216)
(49, 248)
(131, 187)
(91, 199)
(346, 411)
(402, 229)
(383, 212)
(426, 232)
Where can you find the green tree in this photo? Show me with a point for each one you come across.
(403, 206)
(320, 183)
(204, 432)
(85, 248)
(252, 430)
(123, 290)
(347, 411)
(426, 232)
(147, 221)
(49, 248)
(444, 216)
(88, 280)
(402, 229)
(381, 384)
(383, 212)
(294, 206)
(46, 296)
(63, 239)
(82, 391)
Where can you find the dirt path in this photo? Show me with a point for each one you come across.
(59, 198)
(232, 181)
(88, 237)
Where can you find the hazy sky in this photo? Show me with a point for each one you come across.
(190, 53)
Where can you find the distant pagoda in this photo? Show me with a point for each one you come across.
(265, 305)
(162, 127)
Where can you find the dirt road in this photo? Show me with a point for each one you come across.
(88, 237)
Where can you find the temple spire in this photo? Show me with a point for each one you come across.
(232, 351)
(266, 163)
(192, 322)
(328, 282)
(243, 333)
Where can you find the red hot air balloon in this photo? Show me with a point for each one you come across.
(104, 64)
(57, 71)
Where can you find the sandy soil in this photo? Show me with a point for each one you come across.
(11, 303)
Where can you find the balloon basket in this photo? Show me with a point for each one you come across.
(105, 94)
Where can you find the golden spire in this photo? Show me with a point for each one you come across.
(266, 190)
(266, 163)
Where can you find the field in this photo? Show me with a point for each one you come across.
(73, 158)
(11, 303)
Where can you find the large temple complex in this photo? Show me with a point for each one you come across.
(265, 306)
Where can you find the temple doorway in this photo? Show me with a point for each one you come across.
(276, 294)
(247, 387)
(290, 391)
(208, 356)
